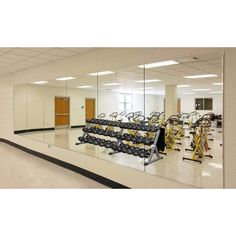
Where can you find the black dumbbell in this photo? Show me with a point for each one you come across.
(138, 139)
(81, 139)
(114, 146)
(136, 151)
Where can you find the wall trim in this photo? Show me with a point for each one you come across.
(98, 178)
(33, 130)
(77, 126)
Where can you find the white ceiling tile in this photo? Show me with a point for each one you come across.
(79, 50)
(61, 52)
(25, 52)
(48, 57)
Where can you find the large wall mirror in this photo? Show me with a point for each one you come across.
(119, 113)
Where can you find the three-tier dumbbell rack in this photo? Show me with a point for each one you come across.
(119, 141)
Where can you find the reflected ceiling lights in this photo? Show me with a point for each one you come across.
(183, 86)
(159, 64)
(201, 89)
(40, 82)
(200, 76)
(146, 88)
(85, 86)
(112, 84)
(101, 73)
(65, 78)
(217, 83)
(215, 92)
(188, 93)
(148, 81)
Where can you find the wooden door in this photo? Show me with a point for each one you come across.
(89, 108)
(62, 111)
(178, 105)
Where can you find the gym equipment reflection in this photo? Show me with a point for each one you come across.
(129, 124)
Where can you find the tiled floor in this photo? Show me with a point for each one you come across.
(209, 174)
(21, 170)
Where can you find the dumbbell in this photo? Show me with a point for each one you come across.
(107, 144)
(130, 150)
(81, 139)
(85, 129)
(86, 138)
(94, 130)
(118, 135)
(147, 141)
(113, 134)
(114, 146)
(138, 139)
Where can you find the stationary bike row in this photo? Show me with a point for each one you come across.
(199, 144)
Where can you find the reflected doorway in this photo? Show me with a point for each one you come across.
(62, 112)
(89, 108)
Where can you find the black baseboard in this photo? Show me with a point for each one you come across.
(32, 130)
(77, 126)
(79, 170)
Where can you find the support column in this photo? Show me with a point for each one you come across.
(170, 100)
(229, 127)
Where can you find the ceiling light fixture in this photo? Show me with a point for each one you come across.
(112, 84)
(85, 86)
(217, 83)
(159, 64)
(101, 73)
(215, 92)
(183, 86)
(200, 76)
(65, 78)
(148, 81)
(146, 88)
(40, 82)
(201, 89)
(188, 93)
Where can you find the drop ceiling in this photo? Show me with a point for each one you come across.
(16, 59)
(169, 75)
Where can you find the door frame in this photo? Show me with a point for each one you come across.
(61, 126)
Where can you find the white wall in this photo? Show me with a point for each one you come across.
(153, 103)
(34, 105)
(188, 103)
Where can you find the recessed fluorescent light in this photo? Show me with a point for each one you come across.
(200, 76)
(159, 64)
(201, 90)
(148, 81)
(216, 92)
(188, 93)
(112, 84)
(85, 86)
(146, 88)
(183, 86)
(65, 78)
(101, 73)
(40, 82)
(217, 83)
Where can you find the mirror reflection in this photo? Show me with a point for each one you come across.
(164, 118)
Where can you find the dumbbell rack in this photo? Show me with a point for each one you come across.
(147, 159)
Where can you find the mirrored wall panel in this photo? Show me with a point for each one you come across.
(162, 117)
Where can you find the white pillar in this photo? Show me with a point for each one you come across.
(170, 100)
(229, 127)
